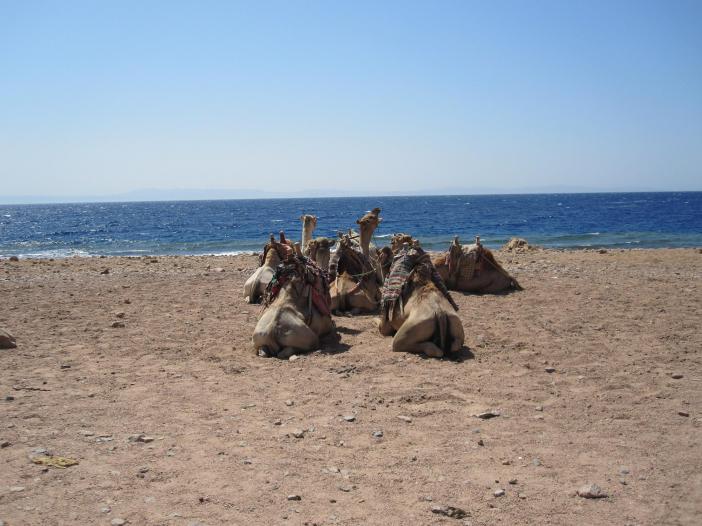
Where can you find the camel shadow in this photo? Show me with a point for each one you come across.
(463, 354)
(332, 344)
(348, 330)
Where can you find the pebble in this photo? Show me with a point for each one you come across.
(117, 325)
(5, 443)
(489, 414)
(16, 489)
(539, 408)
(378, 434)
(624, 471)
(350, 418)
(289, 403)
(550, 369)
(118, 522)
(591, 491)
(278, 422)
(106, 509)
(294, 357)
(536, 461)
(512, 481)
(481, 442)
(522, 495)
(449, 511)
(683, 413)
(405, 418)
(294, 497)
(105, 271)
(298, 433)
(9, 398)
(676, 376)
(120, 314)
(499, 493)
(7, 341)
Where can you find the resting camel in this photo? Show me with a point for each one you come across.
(417, 308)
(473, 268)
(319, 251)
(273, 253)
(296, 309)
(355, 270)
(309, 223)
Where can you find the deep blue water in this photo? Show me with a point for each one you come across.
(671, 219)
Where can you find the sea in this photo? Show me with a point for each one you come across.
(568, 221)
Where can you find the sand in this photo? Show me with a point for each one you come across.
(619, 331)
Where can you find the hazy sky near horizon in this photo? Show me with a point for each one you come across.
(108, 97)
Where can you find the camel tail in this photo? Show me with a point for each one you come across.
(442, 331)
(254, 296)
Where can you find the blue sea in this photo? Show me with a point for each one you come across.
(671, 219)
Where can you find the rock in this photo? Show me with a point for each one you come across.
(512, 481)
(591, 491)
(117, 325)
(9, 398)
(218, 269)
(16, 489)
(298, 433)
(5, 443)
(683, 413)
(499, 493)
(377, 434)
(517, 244)
(449, 511)
(294, 497)
(536, 461)
(602, 251)
(105, 271)
(106, 509)
(289, 403)
(350, 418)
(481, 442)
(140, 437)
(676, 376)
(120, 314)
(7, 341)
(522, 495)
(624, 471)
(405, 418)
(14, 258)
(550, 369)
(277, 422)
(539, 408)
(345, 489)
(488, 414)
(118, 522)
(294, 357)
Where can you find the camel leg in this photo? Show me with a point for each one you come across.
(293, 332)
(413, 337)
(456, 330)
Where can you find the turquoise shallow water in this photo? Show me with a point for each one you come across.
(671, 219)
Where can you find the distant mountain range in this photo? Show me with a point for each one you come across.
(181, 194)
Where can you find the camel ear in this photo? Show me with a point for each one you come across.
(358, 221)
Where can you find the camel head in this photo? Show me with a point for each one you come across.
(309, 222)
(397, 240)
(319, 250)
(368, 223)
(275, 251)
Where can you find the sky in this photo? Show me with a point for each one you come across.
(348, 98)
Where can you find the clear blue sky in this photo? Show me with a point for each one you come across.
(108, 97)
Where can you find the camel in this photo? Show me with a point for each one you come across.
(309, 223)
(319, 251)
(417, 308)
(473, 268)
(296, 311)
(354, 284)
(273, 253)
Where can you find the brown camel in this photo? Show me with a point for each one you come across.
(309, 223)
(473, 268)
(273, 253)
(296, 311)
(417, 308)
(354, 283)
(319, 251)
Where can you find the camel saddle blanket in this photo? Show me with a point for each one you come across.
(467, 263)
(312, 275)
(403, 265)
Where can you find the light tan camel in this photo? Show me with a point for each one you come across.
(353, 280)
(319, 251)
(417, 308)
(309, 223)
(473, 268)
(296, 310)
(273, 253)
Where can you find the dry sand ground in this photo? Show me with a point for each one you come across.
(617, 327)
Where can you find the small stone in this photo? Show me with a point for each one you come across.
(7, 341)
(536, 461)
(16, 489)
(481, 442)
(345, 489)
(106, 509)
(289, 403)
(550, 369)
(9, 398)
(350, 418)
(5, 443)
(405, 418)
(499, 493)
(294, 497)
(539, 408)
(489, 414)
(120, 314)
(512, 481)
(14, 258)
(377, 434)
(278, 422)
(449, 511)
(676, 376)
(683, 413)
(591, 491)
(118, 522)
(86, 432)
(65, 366)
(247, 461)
(105, 271)
(298, 433)
(294, 357)
(117, 325)
(522, 495)
(218, 269)
(144, 469)
(624, 471)
(506, 462)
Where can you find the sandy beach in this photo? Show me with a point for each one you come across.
(595, 370)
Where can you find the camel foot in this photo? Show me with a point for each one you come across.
(286, 353)
(434, 353)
